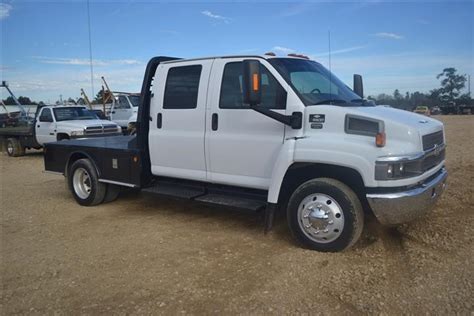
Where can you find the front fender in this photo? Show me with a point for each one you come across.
(310, 150)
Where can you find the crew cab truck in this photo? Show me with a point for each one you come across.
(266, 133)
(55, 123)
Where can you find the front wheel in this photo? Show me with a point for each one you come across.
(84, 183)
(325, 215)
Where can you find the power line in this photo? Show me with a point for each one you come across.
(90, 48)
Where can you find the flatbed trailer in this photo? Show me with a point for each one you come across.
(14, 139)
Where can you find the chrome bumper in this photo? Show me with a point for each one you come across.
(401, 207)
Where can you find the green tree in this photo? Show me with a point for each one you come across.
(451, 84)
(398, 97)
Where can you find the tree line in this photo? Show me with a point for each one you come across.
(450, 92)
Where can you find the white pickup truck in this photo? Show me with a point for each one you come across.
(55, 123)
(266, 133)
(124, 109)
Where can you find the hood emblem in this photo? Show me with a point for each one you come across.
(423, 121)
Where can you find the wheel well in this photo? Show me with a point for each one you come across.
(61, 136)
(299, 173)
(73, 158)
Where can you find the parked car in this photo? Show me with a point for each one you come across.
(266, 133)
(422, 110)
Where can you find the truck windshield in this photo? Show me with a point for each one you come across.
(315, 84)
(74, 113)
(134, 99)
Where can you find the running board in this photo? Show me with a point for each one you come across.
(205, 193)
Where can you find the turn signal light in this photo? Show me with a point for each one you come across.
(255, 82)
(380, 139)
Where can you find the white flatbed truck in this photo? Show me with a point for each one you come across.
(266, 133)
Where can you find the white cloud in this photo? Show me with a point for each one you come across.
(5, 9)
(389, 35)
(215, 16)
(85, 61)
(283, 50)
(339, 51)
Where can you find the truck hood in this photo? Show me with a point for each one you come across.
(411, 120)
(81, 124)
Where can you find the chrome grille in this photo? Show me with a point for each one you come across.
(433, 160)
(430, 140)
(105, 129)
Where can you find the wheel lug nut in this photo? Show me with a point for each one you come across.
(331, 222)
(325, 231)
(308, 226)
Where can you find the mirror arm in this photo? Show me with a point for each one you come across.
(295, 120)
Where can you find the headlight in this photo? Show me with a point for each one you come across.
(77, 133)
(397, 170)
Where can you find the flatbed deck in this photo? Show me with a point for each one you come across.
(118, 158)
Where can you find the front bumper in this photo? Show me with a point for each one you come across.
(400, 207)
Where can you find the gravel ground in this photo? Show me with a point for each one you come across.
(143, 254)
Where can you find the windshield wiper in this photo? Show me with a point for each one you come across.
(330, 101)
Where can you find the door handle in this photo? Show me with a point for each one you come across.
(159, 120)
(113, 112)
(37, 125)
(215, 122)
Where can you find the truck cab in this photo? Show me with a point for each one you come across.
(124, 109)
(237, 130)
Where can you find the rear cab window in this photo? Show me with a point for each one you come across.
(182, 87)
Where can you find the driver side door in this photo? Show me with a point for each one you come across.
(45, 127)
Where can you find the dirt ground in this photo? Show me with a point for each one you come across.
(144, 254)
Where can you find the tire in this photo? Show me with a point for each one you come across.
(112, 193)
(14, 148)
(84, 184)
(325, 215)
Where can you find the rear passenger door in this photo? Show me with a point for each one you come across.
(177, 113)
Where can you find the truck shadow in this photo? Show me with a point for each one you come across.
(253, 223)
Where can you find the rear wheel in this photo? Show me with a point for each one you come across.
(14, 148)
(325, 215)
(84, 183)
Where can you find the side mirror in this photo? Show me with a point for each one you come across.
(252, 92)
(358, 86)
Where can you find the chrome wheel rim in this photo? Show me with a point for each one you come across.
(82, 183)
(10, 148)
(320, 218)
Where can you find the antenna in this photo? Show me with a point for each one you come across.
(90, 47)
(330, 72)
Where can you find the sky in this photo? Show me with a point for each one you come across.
(394, 45)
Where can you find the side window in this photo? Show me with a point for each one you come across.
(122, 103)
(273, 94)
(46, 116)
(182, 85)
